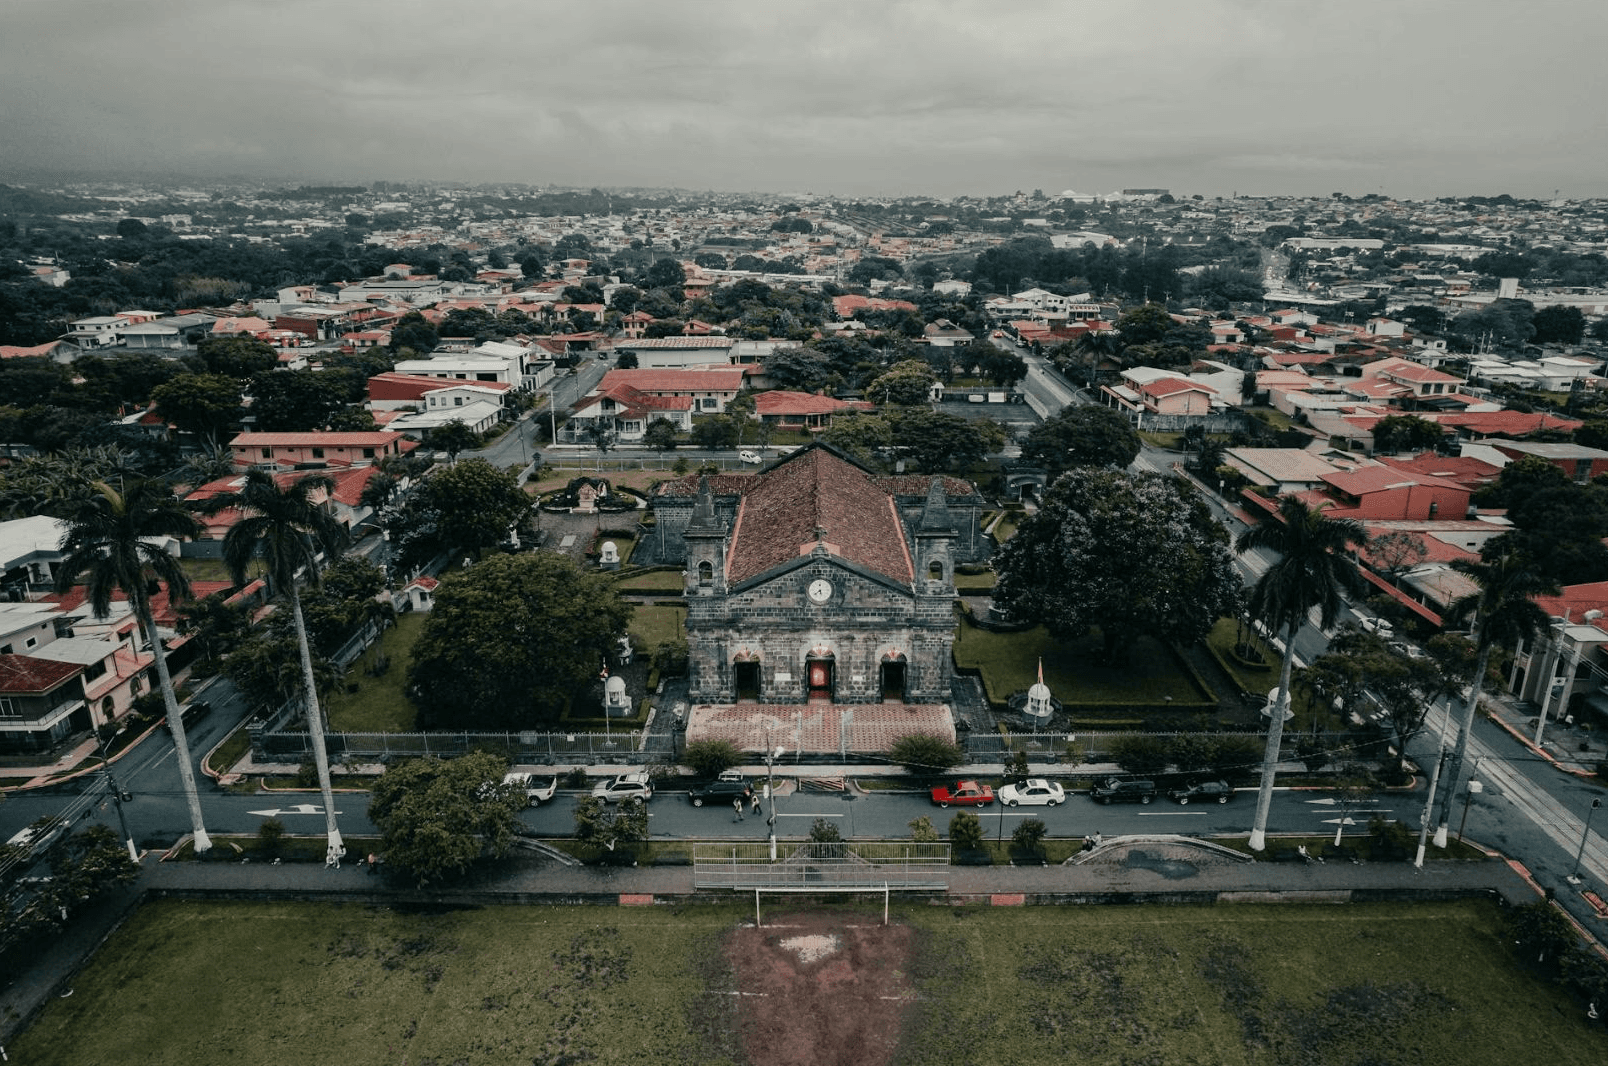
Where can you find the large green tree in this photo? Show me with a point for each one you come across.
(1311, 571)
(289, 527)
(115, 541)
(204, 404)
(512, 640)
(1125, 553)
(1081, 436)
(236, 357)
(452, 437)
(290, 401)
(438, 816)
(939, 441)
(907, 383)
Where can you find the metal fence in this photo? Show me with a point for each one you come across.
(823, 867)
(1096, 747)
(535, 748)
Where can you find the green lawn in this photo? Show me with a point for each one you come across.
(652, 581)
(378, 705)
(983, 582)
(213, 569)
(1222, 639)
(1009, 663)
(654, 624)
(1426, 984)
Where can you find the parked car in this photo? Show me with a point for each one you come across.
(538, 790)
(1204, 792)
(721, 792)
(1035, 791)
(626, 786)
(963, 794)
(1123, 790)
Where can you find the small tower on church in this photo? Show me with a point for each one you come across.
(706, 546)
(935, 539)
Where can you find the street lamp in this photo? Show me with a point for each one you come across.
(770, 792)
(1595, 805)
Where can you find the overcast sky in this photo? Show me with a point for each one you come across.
(939, 97)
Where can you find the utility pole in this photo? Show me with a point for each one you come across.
(117, 801)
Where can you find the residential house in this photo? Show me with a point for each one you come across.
(1580, 463)
(316, 449)
(803, 410)
(41, 703)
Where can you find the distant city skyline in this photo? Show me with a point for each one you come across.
(1409, 99)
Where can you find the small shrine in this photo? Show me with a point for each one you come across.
(616, 701)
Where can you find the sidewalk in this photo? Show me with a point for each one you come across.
(1564, 744)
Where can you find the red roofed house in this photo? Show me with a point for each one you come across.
(629, 400)
(41, 703)
(1419, 381)
(816, 583)
(1385, 492)
(803, 410)
(316, 448)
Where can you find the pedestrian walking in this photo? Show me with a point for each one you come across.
(753, 797)
(737, 809)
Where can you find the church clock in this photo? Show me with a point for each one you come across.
(820, 590)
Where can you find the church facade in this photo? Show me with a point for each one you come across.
(816, 581)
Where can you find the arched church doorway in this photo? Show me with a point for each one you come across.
(819, 675)
(745, 676)
(893, 674)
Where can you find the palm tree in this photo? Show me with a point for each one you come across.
(107, 544)
(1503, 613)
(289, 529)
(1311, 572)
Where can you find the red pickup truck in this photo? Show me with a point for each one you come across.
(963, 794)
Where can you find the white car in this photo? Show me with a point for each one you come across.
(627, 786)
(749, 457)
(1035, 791)
(538, 790)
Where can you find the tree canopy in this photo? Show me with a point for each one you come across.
(512, 640)
(1125, 553)
(469, 506)
(1081, 436)
(438, 816)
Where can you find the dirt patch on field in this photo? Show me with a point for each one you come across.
(821, 990)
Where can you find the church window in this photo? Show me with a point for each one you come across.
(935, 570)
(706, 574)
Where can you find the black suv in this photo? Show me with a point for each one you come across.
(719, 792)
(1123, 790)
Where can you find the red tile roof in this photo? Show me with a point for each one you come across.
(350, 440)
(24, 674)
(815, 488)
(782, 402)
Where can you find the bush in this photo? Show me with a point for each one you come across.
(965, 831)
(922, 832)
(1028, 836)
(707, 758)
(1141, 755)
(307, 774)
(270, 838)
(925, 755)
(576, 778)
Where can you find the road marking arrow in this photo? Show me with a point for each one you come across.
(1338, 821)
(1324, 802)
(300, 808)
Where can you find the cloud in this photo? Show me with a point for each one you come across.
(937, 96)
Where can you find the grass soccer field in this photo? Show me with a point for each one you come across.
(273, 983)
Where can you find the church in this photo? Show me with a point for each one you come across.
(820, 600)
